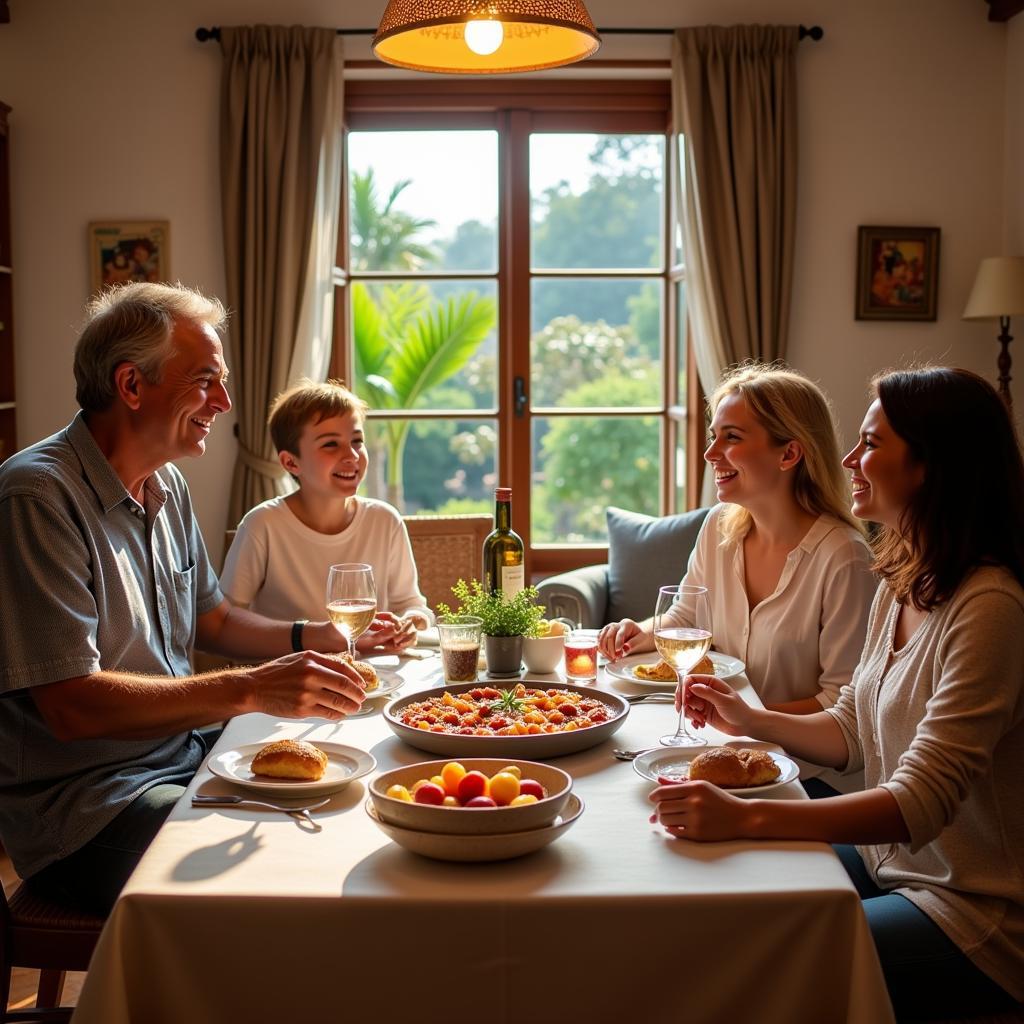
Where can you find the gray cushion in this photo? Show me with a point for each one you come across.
(645, 553)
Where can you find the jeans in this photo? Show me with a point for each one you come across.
(927, 974)
(92, 877)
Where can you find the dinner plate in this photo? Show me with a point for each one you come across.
(498, 846)
(530, 747)
(675, 764)
(725, 668)
(344, 765)
(388, 683)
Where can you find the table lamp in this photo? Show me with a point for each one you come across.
(998, 294)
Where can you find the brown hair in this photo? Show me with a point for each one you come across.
(791, 407)
(969, 509)
(132, 323)
(308, 402)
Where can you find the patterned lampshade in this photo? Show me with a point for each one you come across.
(476, 37)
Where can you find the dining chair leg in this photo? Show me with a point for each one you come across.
(51, 988)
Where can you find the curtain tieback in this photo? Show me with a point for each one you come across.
(249, 459)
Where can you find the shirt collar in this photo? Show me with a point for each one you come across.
(108, 486)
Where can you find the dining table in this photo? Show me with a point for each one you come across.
(243, 914)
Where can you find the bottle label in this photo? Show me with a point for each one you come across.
(513, 579)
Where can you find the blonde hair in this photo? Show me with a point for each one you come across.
(133, 323)
(308, 402)
(791, 408)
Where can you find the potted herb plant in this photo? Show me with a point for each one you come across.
(506, 620)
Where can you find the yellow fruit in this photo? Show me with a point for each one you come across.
(523, 798)
(416, 785)
(504, 788)
(451, 774)
(556, 629)
(513, 769)
(449, 801)
(438, 781)
(399, 793)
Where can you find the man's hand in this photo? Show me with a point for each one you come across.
(305, 685)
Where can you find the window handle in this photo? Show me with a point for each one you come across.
(521, 398)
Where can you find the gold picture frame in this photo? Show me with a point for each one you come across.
(123, 251)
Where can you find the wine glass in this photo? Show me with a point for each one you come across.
(351, 600)
(682, 635)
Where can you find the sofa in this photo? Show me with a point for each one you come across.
(644, 553)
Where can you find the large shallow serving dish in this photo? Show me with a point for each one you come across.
(471, 820)
(503, 846)
(531, 748)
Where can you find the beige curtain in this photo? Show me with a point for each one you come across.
(734, 103)
(280, 186)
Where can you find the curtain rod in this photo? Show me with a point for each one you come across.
(815, 32)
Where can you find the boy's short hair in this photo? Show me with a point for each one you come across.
(308, 402)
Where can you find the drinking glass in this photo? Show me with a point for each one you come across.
(460, 647)
(581, 654)
(682, 635)
(351, 600)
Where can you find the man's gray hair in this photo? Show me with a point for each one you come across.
(132, 323)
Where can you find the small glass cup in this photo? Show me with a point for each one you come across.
(460, 647)
(581, 654)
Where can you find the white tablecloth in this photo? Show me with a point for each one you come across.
(241, 915)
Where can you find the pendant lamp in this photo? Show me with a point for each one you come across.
(471, 37)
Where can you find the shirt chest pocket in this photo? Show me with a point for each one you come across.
(182, 607)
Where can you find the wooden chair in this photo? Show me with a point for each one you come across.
(447, 549)
(38, 934)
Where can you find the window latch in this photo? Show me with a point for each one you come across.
(521, 398)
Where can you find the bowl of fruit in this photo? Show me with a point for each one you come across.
(474, 796)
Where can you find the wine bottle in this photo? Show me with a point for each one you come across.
(503, 567)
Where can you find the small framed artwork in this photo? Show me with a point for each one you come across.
(122, 251)
(897, 273)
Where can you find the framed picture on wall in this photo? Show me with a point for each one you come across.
(897, 273)
(122, 251)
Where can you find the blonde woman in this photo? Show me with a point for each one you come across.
(786, 565)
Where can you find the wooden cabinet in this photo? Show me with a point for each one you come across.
(8, 436)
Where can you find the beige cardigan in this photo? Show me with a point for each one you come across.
(940, 725)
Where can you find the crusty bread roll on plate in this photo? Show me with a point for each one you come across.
(290, 759)
(734, 767)
(664, 672)
(366, 671)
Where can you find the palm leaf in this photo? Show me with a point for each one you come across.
(439, 344)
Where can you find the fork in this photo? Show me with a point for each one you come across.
(299, 813)
(650, 698)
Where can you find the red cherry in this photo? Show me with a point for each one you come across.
(429, 793)
(480, 801)
(471, 785)
(532, 788)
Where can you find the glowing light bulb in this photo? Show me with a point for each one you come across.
(484, 37)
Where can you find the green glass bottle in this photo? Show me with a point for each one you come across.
(504, 565)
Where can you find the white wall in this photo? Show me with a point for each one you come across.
(903, 120)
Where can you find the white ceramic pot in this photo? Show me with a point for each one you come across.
(542, 654)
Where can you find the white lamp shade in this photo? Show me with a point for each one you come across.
(998, 289)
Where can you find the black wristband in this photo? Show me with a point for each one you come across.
(297, 635)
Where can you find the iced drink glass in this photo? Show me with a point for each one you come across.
(460, 647)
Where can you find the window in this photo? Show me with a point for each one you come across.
(510, 299)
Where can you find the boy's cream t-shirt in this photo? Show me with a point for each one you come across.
(277, 566)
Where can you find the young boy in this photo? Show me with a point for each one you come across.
(284, 547)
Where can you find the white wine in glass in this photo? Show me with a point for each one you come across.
(351, 600)
(682, 635)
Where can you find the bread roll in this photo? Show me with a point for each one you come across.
(734, 767)
(366, 671)
(663, 672)
(290, 759)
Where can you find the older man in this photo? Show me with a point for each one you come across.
(105, 585)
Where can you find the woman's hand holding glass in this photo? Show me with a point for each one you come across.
(388, 633)
(708, 700)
